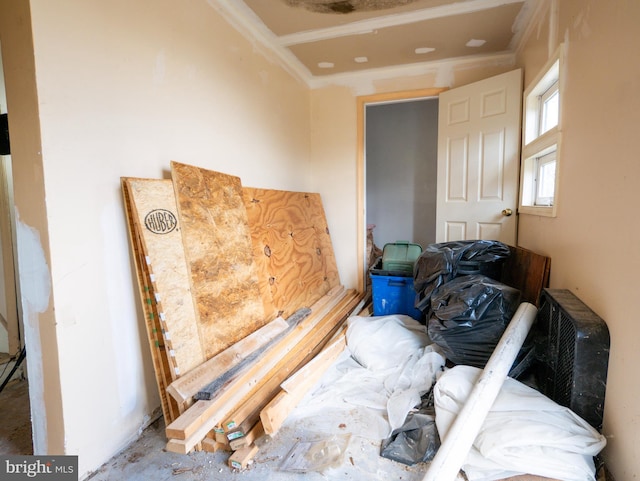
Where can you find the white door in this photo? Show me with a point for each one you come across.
(478, 160)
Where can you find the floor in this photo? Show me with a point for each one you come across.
(146, 458)
(15, 428)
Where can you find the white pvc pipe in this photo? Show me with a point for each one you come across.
(463, 431)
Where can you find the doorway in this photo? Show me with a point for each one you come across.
(401, 177)
(396, 195)
(15, 431)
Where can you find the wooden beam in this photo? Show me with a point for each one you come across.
(242, 457)
(211, 446)
(195, 423)
(208, 392)
(295, 388)
(307, 376)
(256, 432)
(250, 407)
(203, 416)
(184, 388)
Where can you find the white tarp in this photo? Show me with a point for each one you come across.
(388, 365)
(524, 433)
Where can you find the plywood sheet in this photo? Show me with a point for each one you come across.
(217, 243)
(155, 219)
(292, 247)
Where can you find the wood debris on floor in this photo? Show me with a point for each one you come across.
(240, 290)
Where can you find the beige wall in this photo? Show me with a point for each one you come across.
(334, 172)
(123, 88)
(593, 241)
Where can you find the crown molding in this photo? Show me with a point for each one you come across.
(355, 79)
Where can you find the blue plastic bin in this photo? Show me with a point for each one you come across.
(393, 295)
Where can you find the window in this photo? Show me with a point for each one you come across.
(541, 140)
(549, 102)
(545, 178)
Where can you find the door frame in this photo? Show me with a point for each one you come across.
(362, 102)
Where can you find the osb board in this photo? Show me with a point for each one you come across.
(217, 243)
(161, 365)
(156, 221)
(292, 247)
(164, 368)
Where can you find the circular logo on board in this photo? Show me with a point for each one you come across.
(160, 221)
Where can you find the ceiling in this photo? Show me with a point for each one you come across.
(326, 38)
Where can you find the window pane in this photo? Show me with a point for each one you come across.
(547, 179)
(549, 112)
(546, 182)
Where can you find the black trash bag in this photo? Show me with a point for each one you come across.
(468, 316)
(439, 263)
(416, 441)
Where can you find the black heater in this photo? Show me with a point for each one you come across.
(572, 344)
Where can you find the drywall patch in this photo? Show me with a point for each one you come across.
(445, 76)
(35, 289)
(35, 279)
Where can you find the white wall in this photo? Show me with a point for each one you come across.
(124, 88)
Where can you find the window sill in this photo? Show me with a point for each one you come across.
(542, 211)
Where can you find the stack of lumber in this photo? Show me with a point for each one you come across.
(240, 289)
(234, 408)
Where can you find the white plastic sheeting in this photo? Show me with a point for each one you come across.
(385, 342)
(524, 432)
(460, 436)
(388, 365)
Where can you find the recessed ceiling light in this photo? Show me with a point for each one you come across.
(421, 50)
(476, 43)
(361, 60)
(326, 64)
